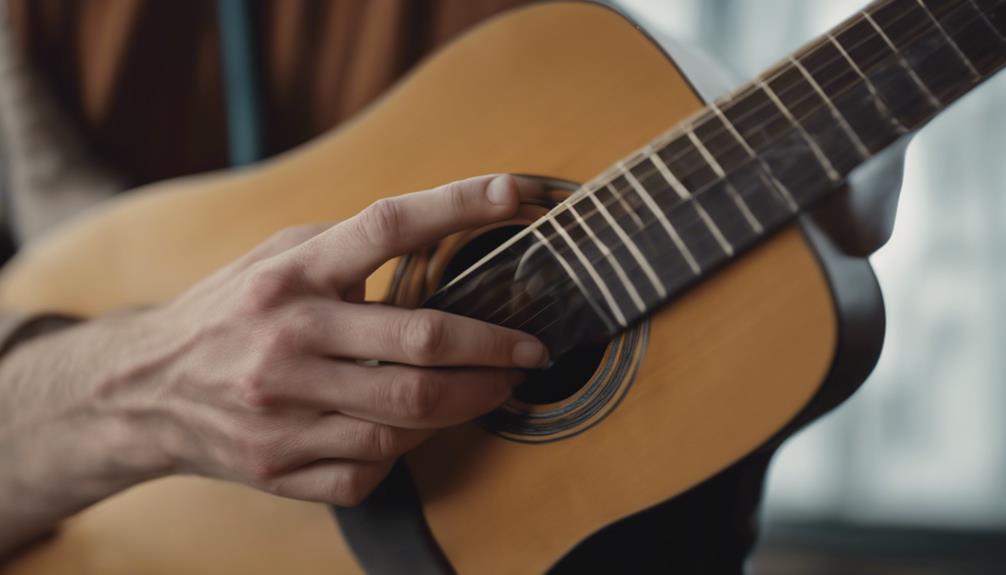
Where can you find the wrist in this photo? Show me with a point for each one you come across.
(74, 424)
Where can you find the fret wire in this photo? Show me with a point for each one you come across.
(651, 273)
(691, 224)
(859, 70)
(595, 200)
(658, 160)
(858, 143)
(939, 26)
(572, 275)
(933, 100)
(625, 206)
(591, 271)
(743, 207)
(606, 251)
(532, 229)
(825, 162)
(686, 195)
(881, 104)
(652, 205)
(995, 29)
(776, 184)
(624, 169)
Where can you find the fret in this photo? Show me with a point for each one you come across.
(904, 96)
(753, 114)
(622, 203)
(737, 200)
(630, 245)
(667, 193)
(678, 157)
(996, 20)
(950, 41)
(886, 115)
(601, 255)
(760, 195)
(925, 48)
(662, 218)
(738, 171)
(775, 185)
(668, 262)
(588, 295)
(750, 176)
(665, 173)
(933, 100)
(590, 269)
(977, 39)
(838, 116)
(778, 143)
(850, 96)
(824, 161)
(807, 107)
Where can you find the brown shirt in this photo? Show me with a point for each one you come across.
(141, 79)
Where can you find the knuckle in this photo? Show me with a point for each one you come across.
(277, 341)
(260, 457)
(424, 336)
(380, 441)
(455, 197)
(266, 286)
(254, 393)
(417, 397)
(350, 488)
(299, 322)
(381, 222)
(286, 333)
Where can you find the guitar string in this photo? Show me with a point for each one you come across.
(635, 265)
(686, 225)
(580, 194)
(695, 121)
(694, 221)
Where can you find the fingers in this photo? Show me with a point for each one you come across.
(337, 436)
(422, 337)
(340, 482)
(399, 396)
(353, 249)
(280, 242)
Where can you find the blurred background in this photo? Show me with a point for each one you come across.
(910, 474)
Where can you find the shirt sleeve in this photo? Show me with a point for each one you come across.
(17, 328)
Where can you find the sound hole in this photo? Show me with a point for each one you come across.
(568, 375)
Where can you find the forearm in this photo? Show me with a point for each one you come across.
(64, 442)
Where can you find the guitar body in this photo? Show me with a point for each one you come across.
(736, 364)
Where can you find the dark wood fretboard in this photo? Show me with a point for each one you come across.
(749, 163)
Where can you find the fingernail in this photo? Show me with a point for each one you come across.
(498, 190)
(530, 354)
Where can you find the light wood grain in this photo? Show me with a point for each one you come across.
(559, 90)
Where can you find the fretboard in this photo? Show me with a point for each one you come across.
(746, 165)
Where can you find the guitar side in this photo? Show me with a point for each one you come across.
(559, 89)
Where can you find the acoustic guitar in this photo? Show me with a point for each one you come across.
(694, 317)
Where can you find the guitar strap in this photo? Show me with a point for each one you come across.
(388, 533)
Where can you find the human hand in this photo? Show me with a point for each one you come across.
(260, 366)
(254, 374)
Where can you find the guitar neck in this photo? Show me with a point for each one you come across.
(746, 165)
